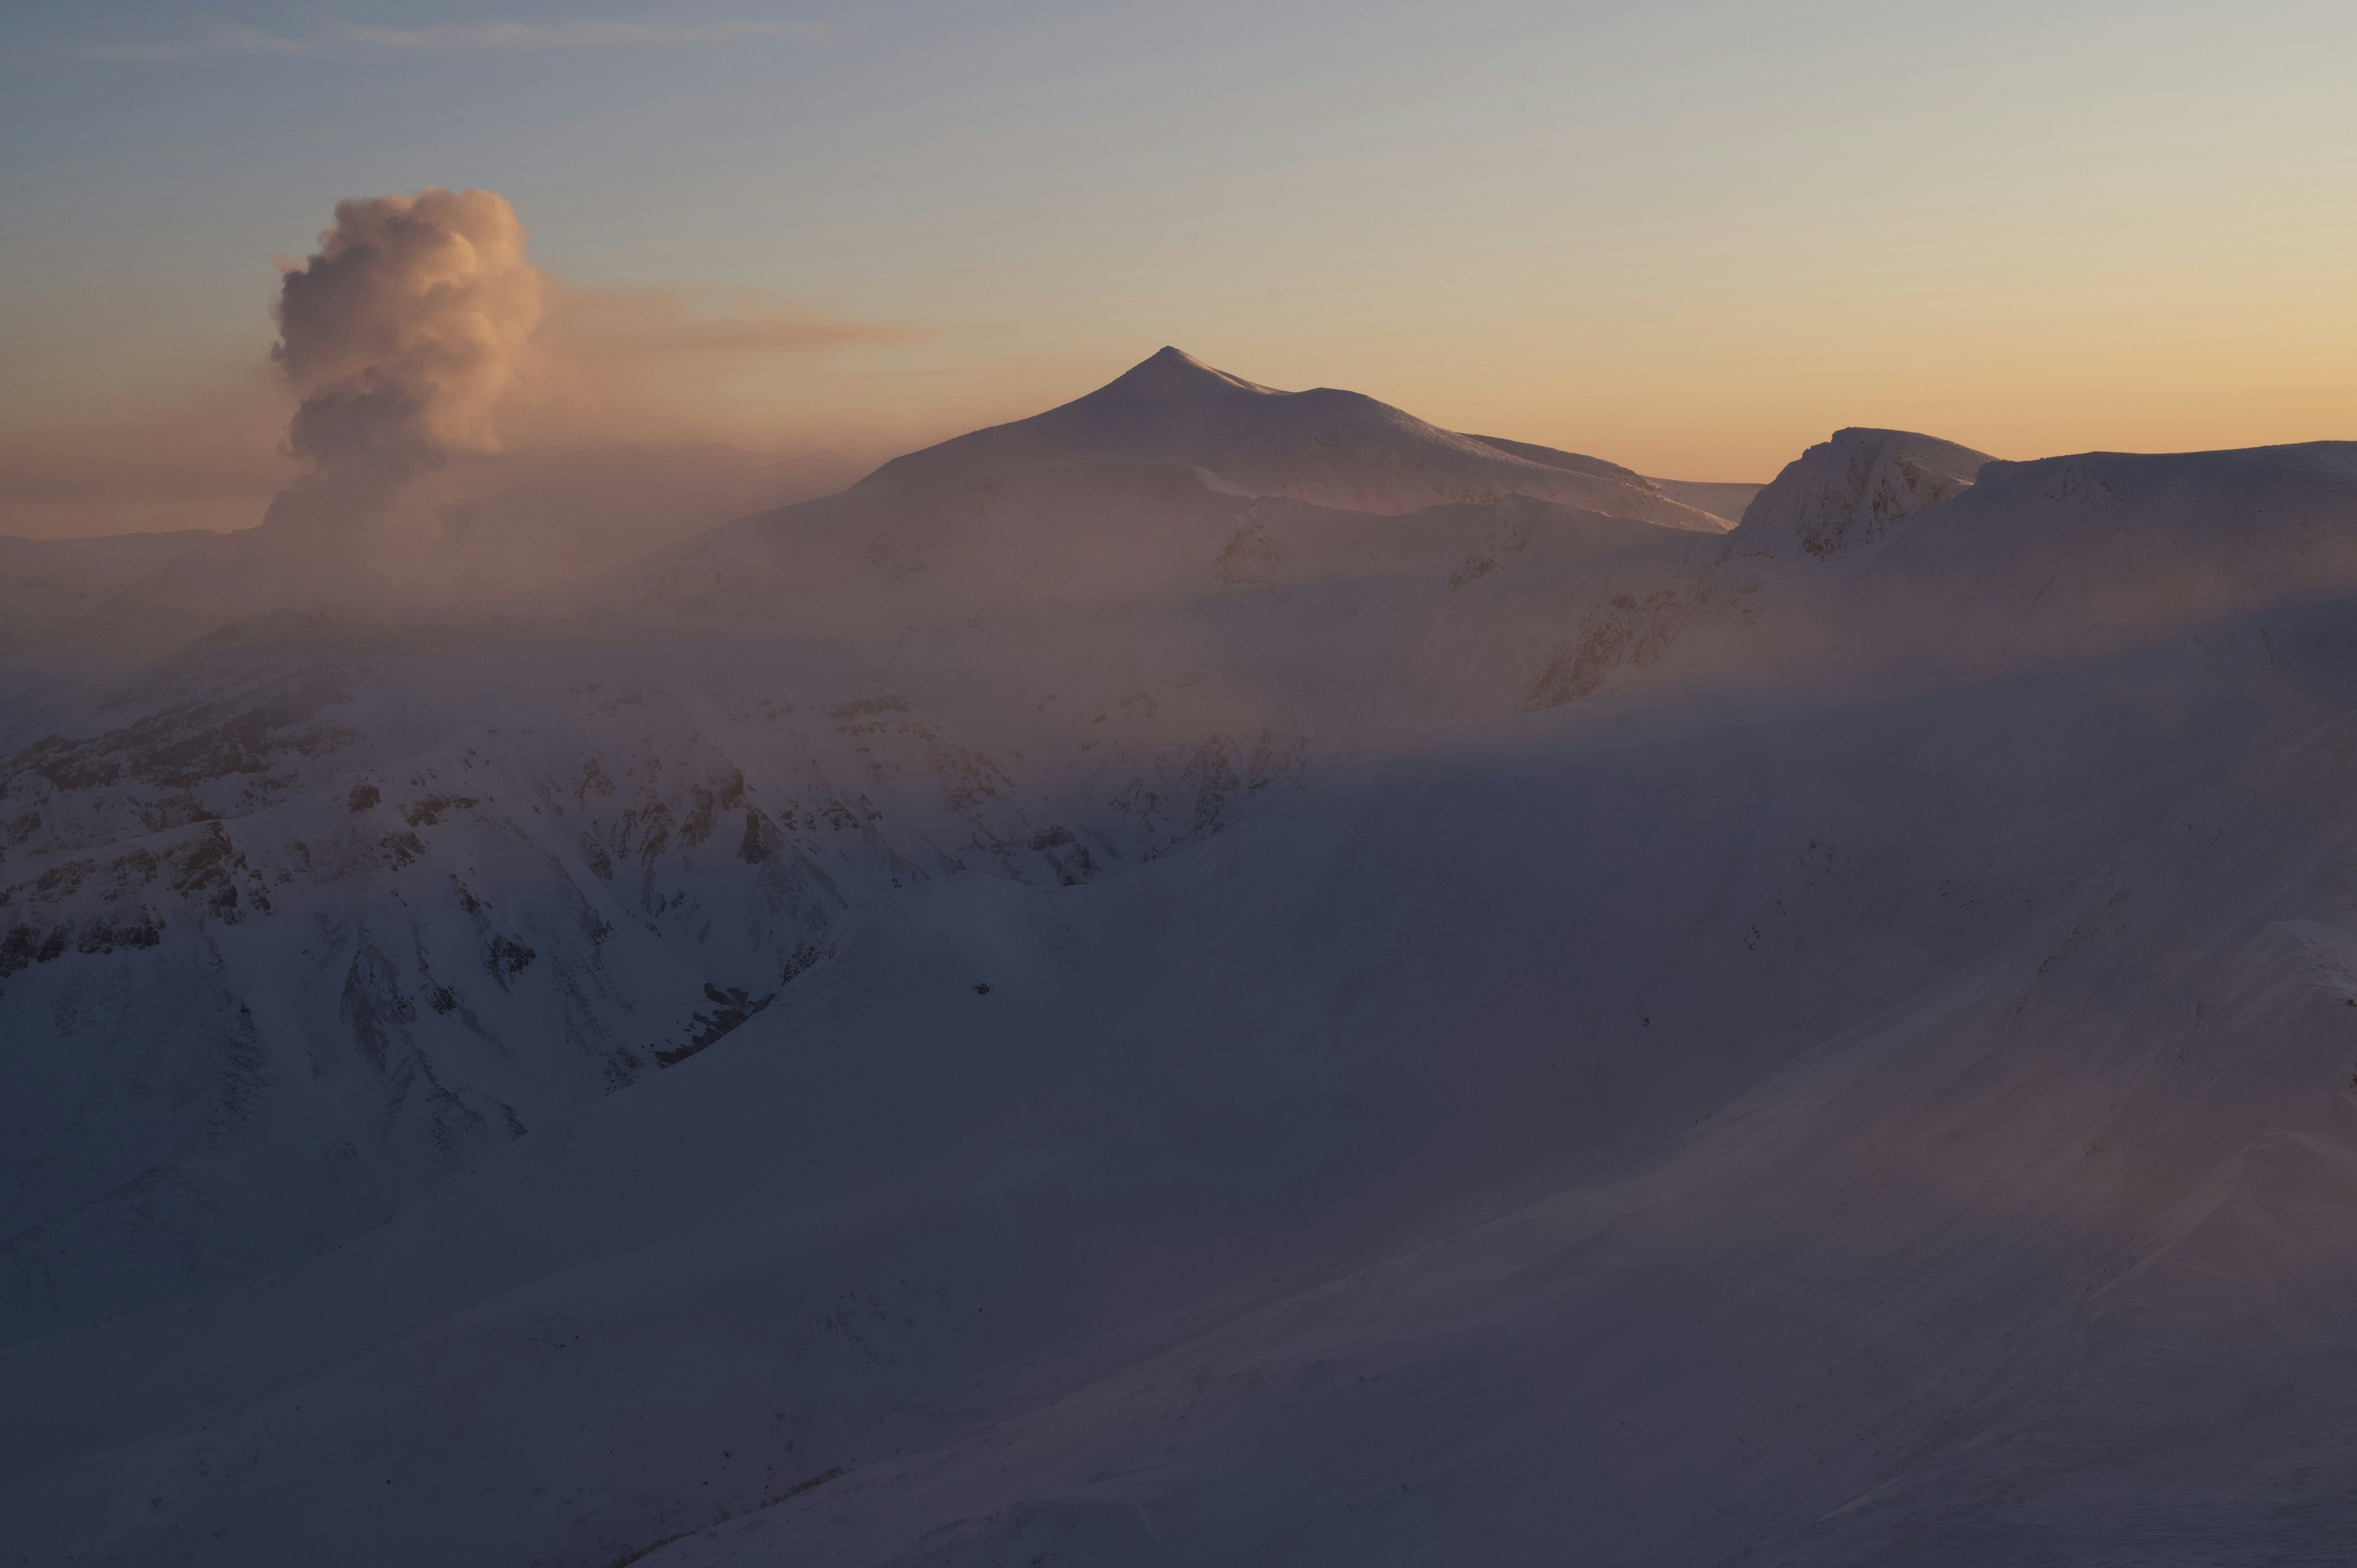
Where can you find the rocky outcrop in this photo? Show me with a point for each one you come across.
(1854, 490)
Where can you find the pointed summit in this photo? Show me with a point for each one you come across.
(1170, 376)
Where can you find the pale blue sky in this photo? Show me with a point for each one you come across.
(1688, 236)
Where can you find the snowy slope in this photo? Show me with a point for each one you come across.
(1071, 1005)
(316, 827)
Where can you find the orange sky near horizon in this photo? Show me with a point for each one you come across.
(1691, 239)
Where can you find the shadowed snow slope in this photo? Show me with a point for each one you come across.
(1854, 490)
(1083, 1007)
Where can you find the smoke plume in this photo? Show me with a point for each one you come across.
(399, 336)
(440, 414)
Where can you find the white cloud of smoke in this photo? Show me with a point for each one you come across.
(399, 336)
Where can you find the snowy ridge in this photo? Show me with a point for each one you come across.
(1854, 490)
(1333, 448)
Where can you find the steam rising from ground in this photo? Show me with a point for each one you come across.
(400, 336)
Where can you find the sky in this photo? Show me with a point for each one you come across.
(1691, 238)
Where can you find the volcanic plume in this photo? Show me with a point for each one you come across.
(399, 335)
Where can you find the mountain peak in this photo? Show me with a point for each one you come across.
(1324, 445)
(1173, 375)
(1856, 490)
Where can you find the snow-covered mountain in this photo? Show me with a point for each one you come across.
(1855, 490)
(1335, 448)
(1105, 996)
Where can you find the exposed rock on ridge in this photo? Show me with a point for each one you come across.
(1854, 490)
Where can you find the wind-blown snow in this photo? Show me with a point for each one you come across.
(1143, 991)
